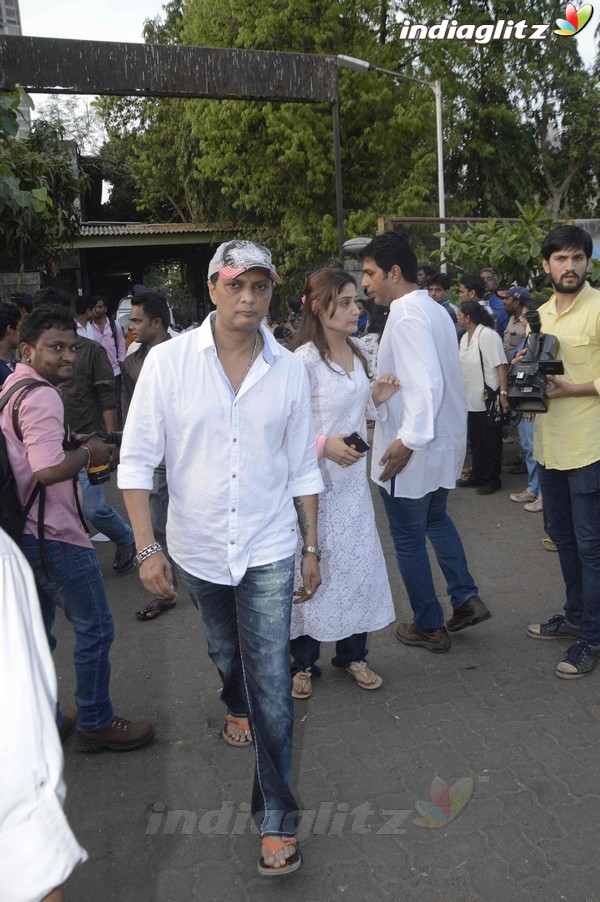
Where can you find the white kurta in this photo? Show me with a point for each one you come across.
(355, 595)
(38, 850)
(429, 413)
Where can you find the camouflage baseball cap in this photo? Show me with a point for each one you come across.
(235, 257)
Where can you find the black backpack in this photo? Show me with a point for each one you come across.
(12, 515)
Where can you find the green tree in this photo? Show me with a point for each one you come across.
(39, 191)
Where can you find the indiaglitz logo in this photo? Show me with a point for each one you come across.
(445, 802)
(576, 18)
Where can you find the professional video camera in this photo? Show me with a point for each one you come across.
(527, 378)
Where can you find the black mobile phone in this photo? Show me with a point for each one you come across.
(356, 442)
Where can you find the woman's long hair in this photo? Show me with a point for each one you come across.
(321, 291)
(477, 312)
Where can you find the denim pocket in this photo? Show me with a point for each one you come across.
(56, 572)
(586, 480)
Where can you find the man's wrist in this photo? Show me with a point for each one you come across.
(312, 549)
(146, 552)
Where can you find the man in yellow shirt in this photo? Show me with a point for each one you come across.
(567, 447)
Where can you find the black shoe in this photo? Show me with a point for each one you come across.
(488, 489)
(470, 613)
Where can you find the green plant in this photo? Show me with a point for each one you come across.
(512, 249)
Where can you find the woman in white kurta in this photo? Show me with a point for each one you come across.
(354, 597)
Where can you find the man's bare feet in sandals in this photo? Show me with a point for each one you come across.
(237, 731)
(155, 607)
(280, 855)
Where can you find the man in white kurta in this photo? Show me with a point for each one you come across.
(38, 850)
(418, 451)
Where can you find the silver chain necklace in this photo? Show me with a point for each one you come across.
(252, 358)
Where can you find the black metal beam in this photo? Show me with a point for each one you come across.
(58, 66)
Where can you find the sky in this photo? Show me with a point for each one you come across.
(100, 20)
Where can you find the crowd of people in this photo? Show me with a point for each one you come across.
(243, 469)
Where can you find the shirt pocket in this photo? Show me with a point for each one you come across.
(575, 350)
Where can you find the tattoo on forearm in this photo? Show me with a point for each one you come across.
(302, 517)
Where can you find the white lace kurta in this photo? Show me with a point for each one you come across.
(355, 595)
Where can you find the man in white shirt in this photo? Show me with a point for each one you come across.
(418, 451)
(38, 850)
(230, 411)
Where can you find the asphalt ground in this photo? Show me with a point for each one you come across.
(513, 750)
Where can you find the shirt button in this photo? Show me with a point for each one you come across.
(234, 441)
(233, 510)
(232, 542)
(233, 475)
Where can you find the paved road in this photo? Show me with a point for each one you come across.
(170, 823)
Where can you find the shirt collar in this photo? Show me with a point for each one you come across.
(271, 350)
(579, 297)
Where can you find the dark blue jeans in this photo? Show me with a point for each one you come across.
(74, 583)
(412, 521)
(572, 506)
(248, 632)
(305, 652)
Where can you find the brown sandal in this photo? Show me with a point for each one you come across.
(275, 844)
(242, 724)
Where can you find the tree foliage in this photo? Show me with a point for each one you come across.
(521, 124)
(39, 191)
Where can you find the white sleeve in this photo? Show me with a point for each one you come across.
(144, 436)
(418, 368)
(38, 850)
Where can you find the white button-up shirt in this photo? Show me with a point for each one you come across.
(234, 464)
(38, 850)
(429, 413)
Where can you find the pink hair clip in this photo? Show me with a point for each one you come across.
(303, 299)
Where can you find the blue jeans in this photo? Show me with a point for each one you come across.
(572, 505)
(74, 583)
(305, 652)
(525, 428)
(248, 632)
(411, 522)
(159, 508)
(102, 517)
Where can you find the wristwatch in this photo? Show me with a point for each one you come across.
(312, 549)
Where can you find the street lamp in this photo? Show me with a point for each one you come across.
(350, 62)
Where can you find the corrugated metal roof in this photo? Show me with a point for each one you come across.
(124, 229)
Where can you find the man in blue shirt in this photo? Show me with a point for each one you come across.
(490, 280)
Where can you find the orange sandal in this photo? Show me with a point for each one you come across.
(276, 844)
(242, 724)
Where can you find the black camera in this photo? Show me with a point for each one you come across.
(527, 378)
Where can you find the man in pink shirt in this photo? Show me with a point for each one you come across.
(55, 539)
(103, 329)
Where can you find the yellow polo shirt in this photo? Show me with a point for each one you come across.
(568, 436)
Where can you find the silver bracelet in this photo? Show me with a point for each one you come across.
(141, 556)
(89, 455)
(312, 549)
